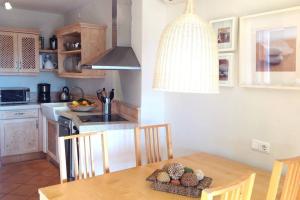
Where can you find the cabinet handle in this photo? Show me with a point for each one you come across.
(19, 113)
(36, 124)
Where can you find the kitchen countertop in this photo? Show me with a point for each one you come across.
(20, 106)
(88, 127)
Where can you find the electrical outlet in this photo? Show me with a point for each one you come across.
(261, 146)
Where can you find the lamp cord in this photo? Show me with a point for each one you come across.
(189, 7)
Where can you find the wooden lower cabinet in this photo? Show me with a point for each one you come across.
(52, 131)
(19, 136)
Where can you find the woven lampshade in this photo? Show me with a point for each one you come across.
(187, 59)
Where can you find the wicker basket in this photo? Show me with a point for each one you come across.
(194, 192)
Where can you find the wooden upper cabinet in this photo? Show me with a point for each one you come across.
(19, 53)
(28, 53)
(8, 52)
(93, 44)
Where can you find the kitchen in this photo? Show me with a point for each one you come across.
(31, 100)
(82, 98)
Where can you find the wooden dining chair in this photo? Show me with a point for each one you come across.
(82, 155)
(240, 190)
(152, 142)
(291, 184)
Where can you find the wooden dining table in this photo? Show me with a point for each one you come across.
(131, 184)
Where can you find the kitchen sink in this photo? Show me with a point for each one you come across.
(50, 110)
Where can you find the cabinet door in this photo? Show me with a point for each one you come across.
(28, 53)
(52, 139)
(8, 52)
(19, 136)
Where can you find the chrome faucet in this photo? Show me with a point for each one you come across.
(79, 88)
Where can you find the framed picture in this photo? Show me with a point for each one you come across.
(226, 69)
(268, 49)
(226, 29)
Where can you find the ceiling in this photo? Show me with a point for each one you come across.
(52, 6)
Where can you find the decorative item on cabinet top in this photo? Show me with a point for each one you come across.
(19, 51)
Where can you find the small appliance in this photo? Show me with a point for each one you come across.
(65, 95)
(44, 93)
(67, 128)
(14, 95)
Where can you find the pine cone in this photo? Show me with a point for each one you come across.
(176, 170)
(175, 182)
(199, 173)
(188, 170)
(163, 177)
(166, 167)
(189, 180)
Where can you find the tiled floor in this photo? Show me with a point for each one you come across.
(21, 181)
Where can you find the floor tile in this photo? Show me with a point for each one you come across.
(21, 180)
(14, 197)
(8, 187)
(40, 181)
(25, 190)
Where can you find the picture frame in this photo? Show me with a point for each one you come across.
(269, 56)
(226, 69)
(227, 32)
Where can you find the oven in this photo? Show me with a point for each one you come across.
(14, 96)
(67, 128)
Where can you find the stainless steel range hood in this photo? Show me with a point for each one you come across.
(117, 58)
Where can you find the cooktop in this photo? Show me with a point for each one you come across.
(101, 118)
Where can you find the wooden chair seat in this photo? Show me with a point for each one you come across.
(240, 190)
(152, 142)
(82, 155)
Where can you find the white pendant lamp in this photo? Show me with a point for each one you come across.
(187, 59)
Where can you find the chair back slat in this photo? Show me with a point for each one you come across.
(75, 157)
(291, 184)
(152, 142)
(82, 162)
(105, 153)
(82, 155)
(241, 190)
(62, 160)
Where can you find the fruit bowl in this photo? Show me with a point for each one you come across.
(82, 105)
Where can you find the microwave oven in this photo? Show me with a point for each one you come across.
(14, 96)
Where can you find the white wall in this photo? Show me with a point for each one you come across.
(153, 14)
(46, 23)
(32, 81)
(224, 124)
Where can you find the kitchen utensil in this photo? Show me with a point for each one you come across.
(78, 67)
(48, 63)
(41, 62)
(70, 63)
(100, 97)
(42, 42)
(112, 94)
(65, 94)
(53, 42)
(69, 46)
(44, 93)
(106, 107)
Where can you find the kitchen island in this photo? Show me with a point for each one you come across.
(86, 126)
